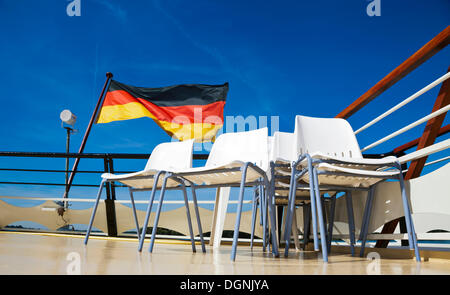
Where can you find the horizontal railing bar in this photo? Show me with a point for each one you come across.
(405, 102)
(432, 162)
(59, 171)
(50, 199)
(444, 130)
(437, 147)
(202, 186)
(46, 183)
(58, 184)
(72, 155)
(47, 170)
(180, 202)
(408, 127)
(86, 155)
(438, 161)
(117, 201)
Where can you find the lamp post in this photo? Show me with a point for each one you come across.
(68, 118)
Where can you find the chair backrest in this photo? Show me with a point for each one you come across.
(330, 136)
(283, 147)
(249, 146)
(171, 156)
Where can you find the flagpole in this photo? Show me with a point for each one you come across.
(86, 134)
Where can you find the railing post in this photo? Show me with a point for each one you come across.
(111, 170)
(110, 201)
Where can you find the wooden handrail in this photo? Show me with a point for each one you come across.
(428, 50)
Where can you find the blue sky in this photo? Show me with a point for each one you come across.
(281, 58)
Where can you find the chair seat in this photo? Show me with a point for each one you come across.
(301, 192)
(140, 180)
(353, 161)
(207, 176)
(280, 160)
(358, 177)
(346, 162)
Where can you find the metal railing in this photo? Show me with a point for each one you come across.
(108, 167)
(433, 121)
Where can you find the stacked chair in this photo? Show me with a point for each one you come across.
(321, 158)
(283, 155)
(329, 158)
(236, 160)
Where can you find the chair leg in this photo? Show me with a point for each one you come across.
(158, 212)
(282, 212)
(197, 213)
(363, 221)
(261, 215)
(331, 222)
(366, 221)
(238, 212)
(290, 211)
(306, 224)
(325, 214)
(265, 195)
(295, 231)
(412, 237)
(263, 211)
(188, 216)
(351, 221)
(254, 207)
(313, 203)
(323, 233)
(134, 213)
(270, 203)
(94, 210)
(149, 209)
(416, 244)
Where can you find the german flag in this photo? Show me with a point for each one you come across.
(188, 111)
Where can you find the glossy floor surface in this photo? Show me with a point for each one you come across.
(32, 253)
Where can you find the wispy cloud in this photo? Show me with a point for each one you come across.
(114, 9)
(243, 72)
(211, 51)
(161, 66)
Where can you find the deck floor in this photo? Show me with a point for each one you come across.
(36, 253)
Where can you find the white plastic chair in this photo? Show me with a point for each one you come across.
(236, 159)
(283, 155)
(328, 149)
(164, 157)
